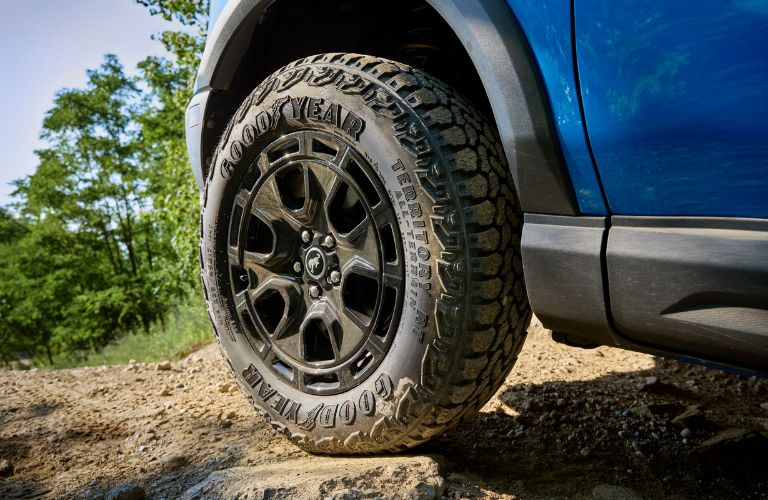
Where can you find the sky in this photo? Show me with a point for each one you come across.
(46, 45)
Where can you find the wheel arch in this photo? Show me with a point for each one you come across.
(475, 46)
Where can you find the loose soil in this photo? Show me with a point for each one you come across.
(566, 424)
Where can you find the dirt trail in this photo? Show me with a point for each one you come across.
(567, 423)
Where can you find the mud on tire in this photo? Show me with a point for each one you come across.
(442, 316)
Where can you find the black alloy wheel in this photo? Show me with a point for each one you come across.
(316, 270)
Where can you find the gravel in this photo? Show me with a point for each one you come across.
(565, 422)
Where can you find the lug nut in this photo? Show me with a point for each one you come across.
(297, 266)
(306, 236)
(314, 291)
(328, 241)
(335, 277)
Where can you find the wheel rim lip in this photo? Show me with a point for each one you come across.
(318, 368)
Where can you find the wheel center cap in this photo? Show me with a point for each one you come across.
(314, 263)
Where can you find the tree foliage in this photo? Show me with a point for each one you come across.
(101, 239)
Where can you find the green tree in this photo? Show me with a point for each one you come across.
(169, 83)
(91, 187)
(102, 238)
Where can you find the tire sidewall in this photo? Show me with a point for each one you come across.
(332, 417)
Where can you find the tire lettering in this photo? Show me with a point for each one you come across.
(263, 122)
(249, 134)
(266, 391)
(328, 416)
(347, 412)
(226, 168)
(331, 115)
(309, 422)
(252, 376)
(283, 405)
(315, 109)
(279, 403)
(383, 386)
(353, 125)
(367, 403)
(297, 104)
(291, 412)
(414, 210)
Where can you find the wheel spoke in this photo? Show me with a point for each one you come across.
(321, 182)
(277, 302)
(343, 155)
(262, 162)
(242, 198)
(241, 301)
(381, 214)
(358, 232)
(363, 245)
(345, 376)
(263, 266)
(360, 285)
(269, 205)
(354, 328)
(391, 276)
(319, 333)
(362, 266)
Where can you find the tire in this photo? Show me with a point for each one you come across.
(428, 311)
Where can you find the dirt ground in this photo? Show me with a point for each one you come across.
(566, 421)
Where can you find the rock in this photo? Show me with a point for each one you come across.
(164, 366)
(723, 438)
(6, 469)
(585, 452)
(176, 462)
(164, 392)
(224, 387)
(410, 477)
(691, 418)
(612, 492)
(228, 415)
(764, 406)
(685, 432)
(641, 411)
(126, 491)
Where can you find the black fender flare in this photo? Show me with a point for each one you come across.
(490, 34)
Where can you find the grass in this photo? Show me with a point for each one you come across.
(186, 329)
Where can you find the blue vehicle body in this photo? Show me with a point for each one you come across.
(637, 135)
(676, 104)
(674, 96)
(547, 26)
